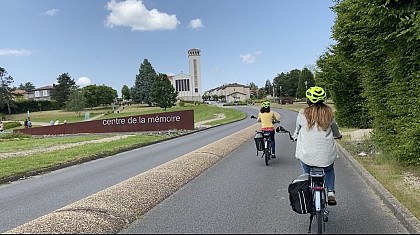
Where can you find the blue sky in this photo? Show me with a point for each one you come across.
(105, 41)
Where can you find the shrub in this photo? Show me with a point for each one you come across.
(10, 125)
(15, 135)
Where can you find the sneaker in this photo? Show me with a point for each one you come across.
(273, 155)
(331, 198)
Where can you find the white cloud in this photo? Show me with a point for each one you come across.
(51, 12)
(133, 13)
(195, 24)
(250, 57)
(83, 81)
(12, 52)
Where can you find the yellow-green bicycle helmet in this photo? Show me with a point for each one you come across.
(265, 104)
(316, 94)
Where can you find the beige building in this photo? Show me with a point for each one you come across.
(232, 92)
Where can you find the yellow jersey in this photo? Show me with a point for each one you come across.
(266, 120)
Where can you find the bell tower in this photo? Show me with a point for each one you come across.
(195, 73)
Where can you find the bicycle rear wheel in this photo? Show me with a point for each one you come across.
(267, 153)
(319, 220)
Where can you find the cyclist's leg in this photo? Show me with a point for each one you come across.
(273, 144)
(330, 184)
(330, 177)
(305, 168)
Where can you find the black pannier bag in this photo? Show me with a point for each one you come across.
(259, 143)
(300, 195)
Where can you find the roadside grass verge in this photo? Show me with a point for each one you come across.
(14, 145)
(401, 180)
(40, 162)
(35, 159)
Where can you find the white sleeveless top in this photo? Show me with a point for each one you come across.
(315, 147)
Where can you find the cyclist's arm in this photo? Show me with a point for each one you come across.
(335, 130)
(259, 117)
(300, 118)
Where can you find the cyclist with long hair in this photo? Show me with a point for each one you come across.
(315, 132)
(266, 117)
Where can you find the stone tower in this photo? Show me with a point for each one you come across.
(195, 73)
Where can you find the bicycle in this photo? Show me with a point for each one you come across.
(318, 191)
(266, 146)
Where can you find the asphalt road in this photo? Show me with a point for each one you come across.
(237, 195)
(241, 195)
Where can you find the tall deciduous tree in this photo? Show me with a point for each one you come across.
(106, 95)
(27, 86)
(99, 95)
(306, 80)
(90, 93)
(268, 87)
(143, 83)
(253, 90)
(76, 102)
(162, 92)
(65, 84)
(125, 92)
(5, 89)
(381, 42)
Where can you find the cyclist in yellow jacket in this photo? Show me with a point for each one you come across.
(266, 117)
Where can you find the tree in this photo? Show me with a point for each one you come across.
(76, 102)
(106, 95)
(90, 93)
(63, 88)
(125, 93)
(162, 92)
(380, 41)
(144, 81)
(5, 89)
(305, 76)
(99, 95)
(288, 82)
(268, 88)
(253, 90)
(27, 87)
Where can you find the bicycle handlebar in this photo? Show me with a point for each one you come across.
(274, 121)
(281, 129)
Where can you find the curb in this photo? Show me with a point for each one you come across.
(407, 219)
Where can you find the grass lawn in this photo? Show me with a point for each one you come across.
(43, 161)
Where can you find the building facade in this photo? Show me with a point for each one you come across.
(231, 92)
(189, 85)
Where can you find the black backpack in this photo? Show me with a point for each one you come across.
(300, 195)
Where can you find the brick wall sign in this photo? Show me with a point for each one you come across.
(180, 120)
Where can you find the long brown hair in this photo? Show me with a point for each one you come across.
(320, 114)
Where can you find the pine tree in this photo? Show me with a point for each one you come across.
(144, 82)
(163, 93)
(63, 88)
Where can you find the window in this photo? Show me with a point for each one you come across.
(182, 85)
